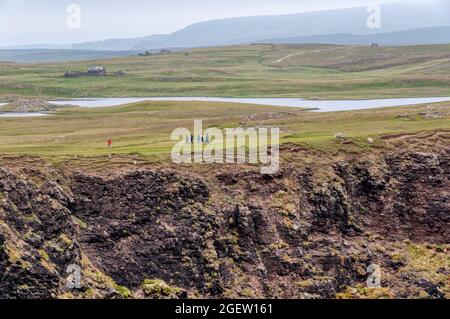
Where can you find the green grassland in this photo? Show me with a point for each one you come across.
(309, 71)
(144, 129)
(312, 71)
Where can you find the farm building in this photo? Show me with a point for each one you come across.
(72, 74)
(92, 71)
(97, 70)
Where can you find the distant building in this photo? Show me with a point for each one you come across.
(72, 74)
(92, 71)
(147, 53)
(97, 70)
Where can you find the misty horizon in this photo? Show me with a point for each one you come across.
(45, 23)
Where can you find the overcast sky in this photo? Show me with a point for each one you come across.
(44, 21)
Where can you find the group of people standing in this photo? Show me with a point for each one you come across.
(190, 139)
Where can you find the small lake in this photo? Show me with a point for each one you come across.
(317, 105)
(321, 106)
(12, 115)
(7, 115)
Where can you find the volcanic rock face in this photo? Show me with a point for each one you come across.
(34, 239)
(309, 232)
(142, 225)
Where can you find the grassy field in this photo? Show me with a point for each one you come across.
(143, 129)
(310, 71)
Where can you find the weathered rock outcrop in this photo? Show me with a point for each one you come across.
(31, 106)
(308, 232)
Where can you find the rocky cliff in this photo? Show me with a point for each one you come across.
(311, 231)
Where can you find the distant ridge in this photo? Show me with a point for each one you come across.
(53, 55)
(438, 35)
(351, 22)
(402, 24)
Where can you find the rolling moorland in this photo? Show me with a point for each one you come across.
(143, 129)
(309, 71)
(142, 227)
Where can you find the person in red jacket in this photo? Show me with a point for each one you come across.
(109, 143)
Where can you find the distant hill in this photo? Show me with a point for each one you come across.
(395, 17)
(402, 23)
(438, 35)
(49, 55)
(38, 46)
(158, 41)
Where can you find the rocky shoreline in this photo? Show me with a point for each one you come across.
(29, 106)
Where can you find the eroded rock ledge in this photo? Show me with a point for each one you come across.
(309, 232)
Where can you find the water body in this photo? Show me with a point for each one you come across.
(320, 106)
(20, 114)
(13, 115)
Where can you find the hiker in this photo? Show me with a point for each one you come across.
(109, 143)
(192, 139)
(207, 139)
